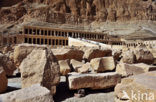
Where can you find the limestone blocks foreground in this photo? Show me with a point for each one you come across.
(40, 66)
(125, 69)
(93, 81)
(3, 80)
(139, 88)
(34, 93)
(83, 67)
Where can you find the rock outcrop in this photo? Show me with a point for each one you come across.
(40, 66)
(139, 88)
(35, 93)
(3, 80)
(93, 81)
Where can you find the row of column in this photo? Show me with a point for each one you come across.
(64, 34)
(45, 41)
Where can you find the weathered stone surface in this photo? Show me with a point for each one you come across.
(74, 11)
(35, 93)
(95, 53)
(93, 81)
(63, 54)
(128, 57)
(144, 56)
(40, 66)
(133, 69)
(22, 50)
(3, 80)
(85, 68)
(76, 64)
(6, 49)
(64, 67)
(103, 64)
(7, 64)
(116, 54)
(138, 55)
(139, 88)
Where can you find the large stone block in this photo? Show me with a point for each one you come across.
(64, 67)
(76, 64)
(95, 53)
(138, 56)
(63, 54)
(93, 81)
(144, 56)
(138, 88)
(128, 57)
(35, 93)
(103, 64)
(85, 68)
(40, 66)
(7, 64)
(22, 50)
(3, 80)
(133, 69)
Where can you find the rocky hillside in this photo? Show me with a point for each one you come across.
(77, 11)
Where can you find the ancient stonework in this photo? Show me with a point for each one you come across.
(3, 80)
(139, 88)
(35, 93)
(40, 66)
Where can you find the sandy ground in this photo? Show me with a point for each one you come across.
(63, 94)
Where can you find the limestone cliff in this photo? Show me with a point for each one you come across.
(77, 11)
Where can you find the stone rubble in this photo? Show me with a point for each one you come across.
(34, 93)
(40, 66)
(138, 88)
(3, 80)
(93, 81)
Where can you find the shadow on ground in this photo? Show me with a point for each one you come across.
(64, 93)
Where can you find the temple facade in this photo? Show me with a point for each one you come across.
(59, 37)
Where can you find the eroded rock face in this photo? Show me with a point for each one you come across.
(95, 53)
(64, 67)
(103, 64)
(79, 10)
(63, 54)
(3, 80)
(35, 93)
(40, 66)
(93, 81)
(133, 69)
(133, 89)
(7, 64)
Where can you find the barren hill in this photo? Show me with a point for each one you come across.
(80, 12)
